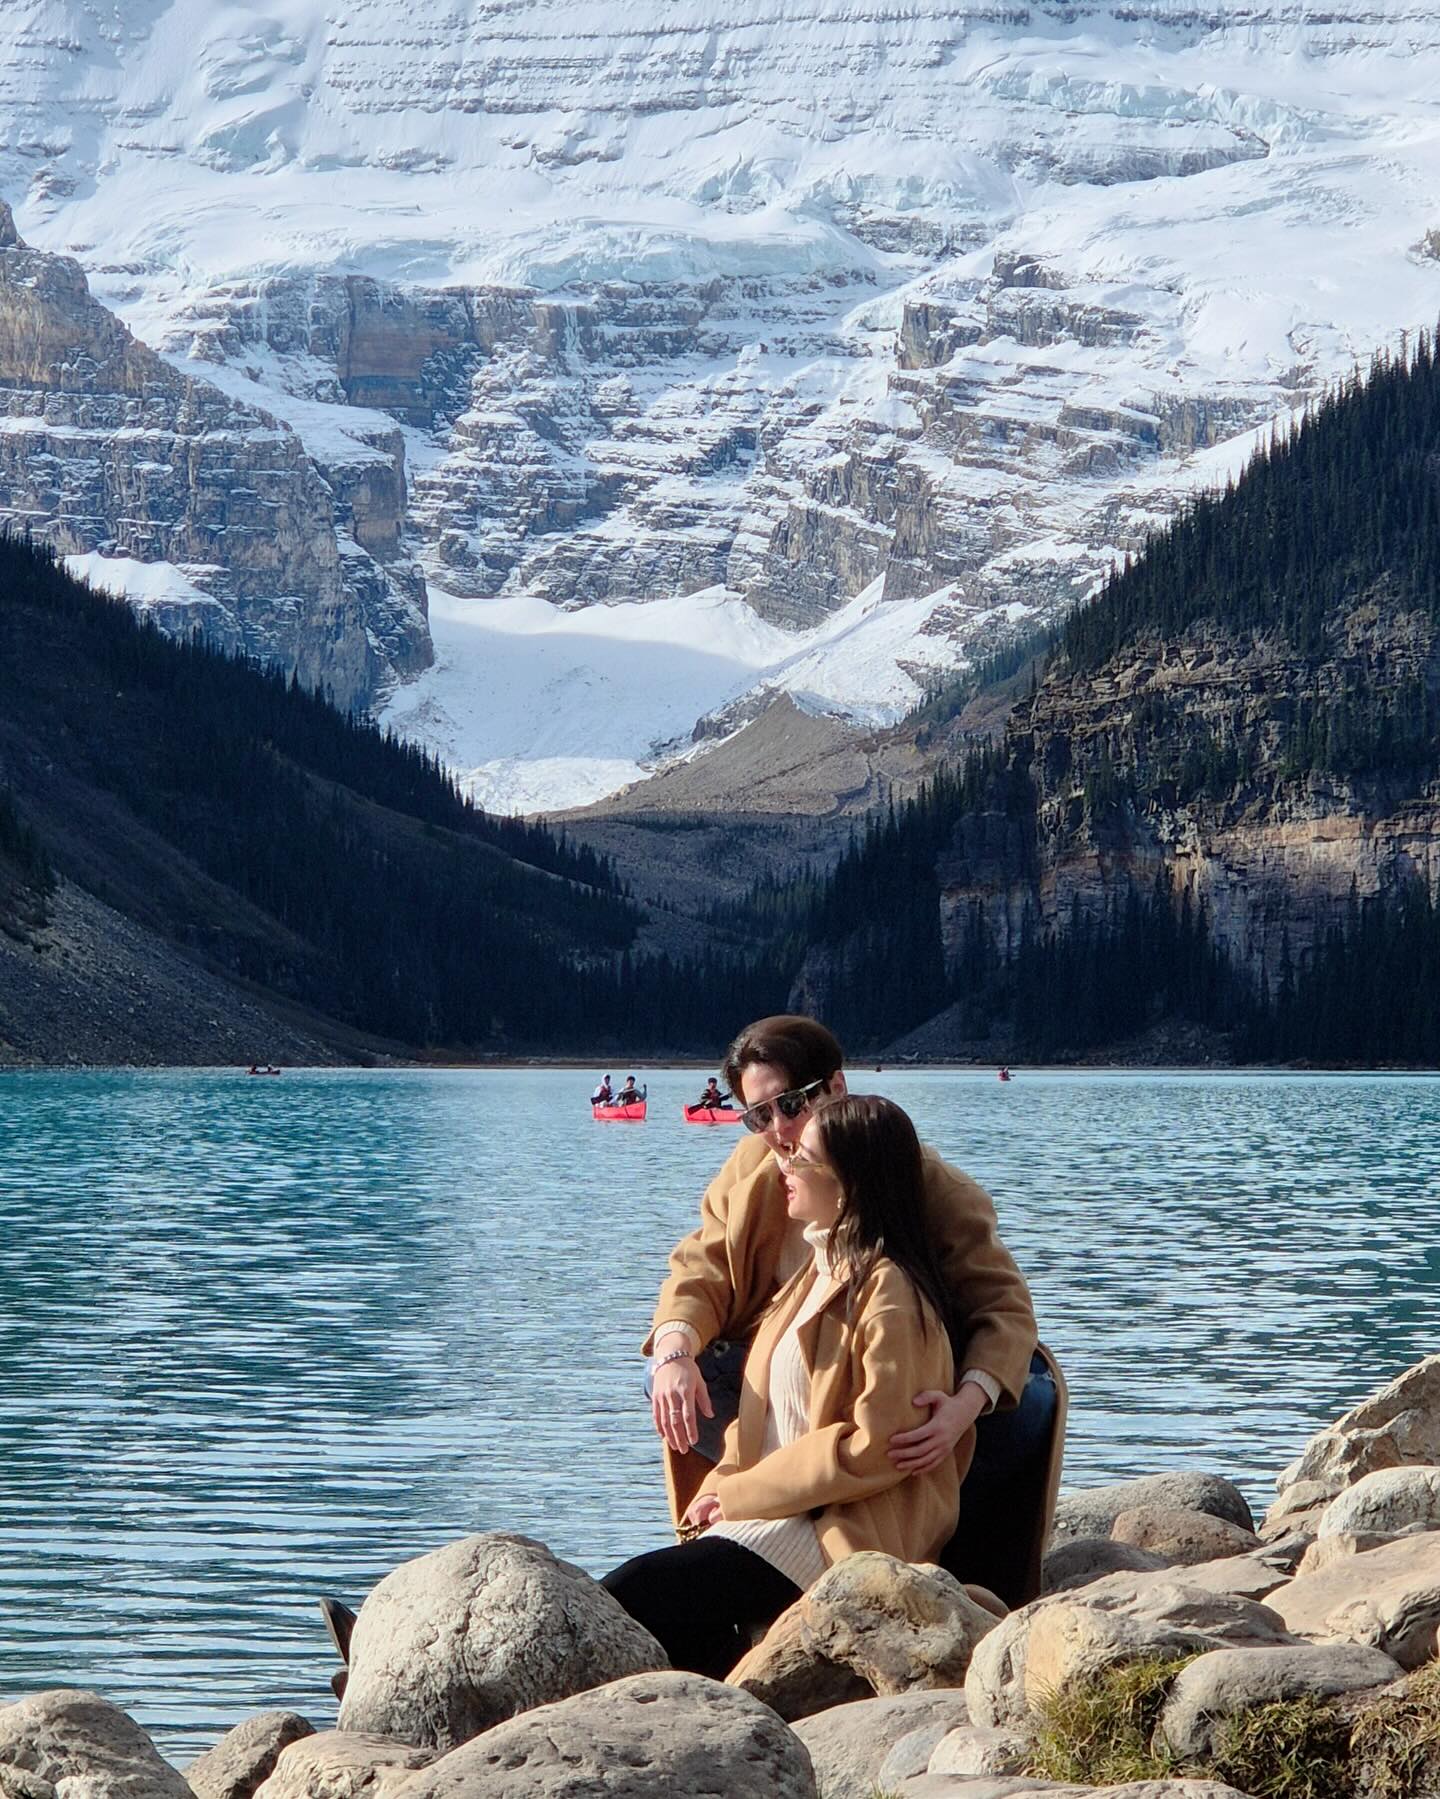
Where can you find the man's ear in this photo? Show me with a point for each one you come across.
(837, 1088)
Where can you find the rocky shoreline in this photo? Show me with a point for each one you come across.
(1180, 1650)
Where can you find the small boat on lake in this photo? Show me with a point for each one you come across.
(710, 1115)
(634, 1113)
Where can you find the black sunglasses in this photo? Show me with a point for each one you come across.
(789, 1105)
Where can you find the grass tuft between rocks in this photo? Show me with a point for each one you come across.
(1102, 1733)
(1395, 1745)
(1099, 1732)
(1289, 1749)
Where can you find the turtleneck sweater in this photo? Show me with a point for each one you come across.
(789, 1544)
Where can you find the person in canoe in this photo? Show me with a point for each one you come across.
(746, 1247)
(604, 1094)
(630, 1094)
(805, 1478)
(712, 1099)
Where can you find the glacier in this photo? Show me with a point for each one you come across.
(730, 349)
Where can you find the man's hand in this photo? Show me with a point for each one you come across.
(704, 1509)
(951, 1415)
(675, 1393)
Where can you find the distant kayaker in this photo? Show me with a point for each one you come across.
(630, 1094)
(603, 1094)
(712, 1099)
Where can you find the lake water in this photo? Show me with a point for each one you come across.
(262, 1339)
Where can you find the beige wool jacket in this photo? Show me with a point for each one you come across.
(725, 1273)
(863, 1378)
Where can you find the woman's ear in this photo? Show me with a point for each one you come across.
(836, 1088)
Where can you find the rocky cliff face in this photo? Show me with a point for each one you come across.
(956, 298)
(113, 457)
(1181, 761)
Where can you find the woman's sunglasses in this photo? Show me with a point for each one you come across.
(789, 1105)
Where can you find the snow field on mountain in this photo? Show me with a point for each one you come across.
(1219, 213)
(538, 709)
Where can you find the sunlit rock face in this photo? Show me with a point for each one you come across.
(114, 457)
(676, 297)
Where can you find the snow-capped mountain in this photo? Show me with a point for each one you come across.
(737, 346)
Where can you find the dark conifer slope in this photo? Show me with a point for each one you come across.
(1323, 561)
(293, 852)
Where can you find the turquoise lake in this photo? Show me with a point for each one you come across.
(262, 1339)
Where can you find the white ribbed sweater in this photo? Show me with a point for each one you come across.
(789, 1544)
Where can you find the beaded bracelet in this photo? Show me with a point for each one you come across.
(676, 1355)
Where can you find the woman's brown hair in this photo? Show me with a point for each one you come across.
(871, 1146)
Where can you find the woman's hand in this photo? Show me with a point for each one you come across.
(676, 1393)
(704, 1509)
(951, 1415)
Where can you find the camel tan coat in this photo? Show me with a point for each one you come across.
(723, 1275)
(863, 1377)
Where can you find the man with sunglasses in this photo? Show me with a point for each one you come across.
(723, 1275)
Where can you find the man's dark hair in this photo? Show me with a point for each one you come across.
(801, 1047)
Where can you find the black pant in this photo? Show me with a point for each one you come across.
(704, 1601)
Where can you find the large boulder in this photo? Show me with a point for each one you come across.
(1122, 1618)
(85, 1747)
(1218, 1686)
(849, 1743)
(1389, 1500)
(1397, 1427)
(1092, 1511)
(245, 1756)
(654, 1736)
(1387, 1598)
(343, 1764)
(1079, 1560)
(1184, 1538)
(892, 1626)
(459, 1640)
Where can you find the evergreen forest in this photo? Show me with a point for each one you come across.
(1340, 513)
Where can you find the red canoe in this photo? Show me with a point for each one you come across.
(631, 1114)
(710, 1115)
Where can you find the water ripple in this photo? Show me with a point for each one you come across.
(261, 1340)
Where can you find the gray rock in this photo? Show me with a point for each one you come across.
(85, 1747)
(910, 1757)
(1387, 1598)
(1121, 1618)
(343, 1764)
(459, 1640)
(1228, 1681)
(1246, 1576)
(977, 1752)
(890, 1626)
(1079, 1560)
(1184, 1538)
(655, 1736)
(245, 1756)
(1397, 1427)
(849, 1743)
(1390, 1499)
(1092, 1511)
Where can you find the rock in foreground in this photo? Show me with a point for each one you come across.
(458, 1641)
(871, 1622)
(655, 1736)
(245, 1757)
(85, 1747)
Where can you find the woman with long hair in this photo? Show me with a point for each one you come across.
(805, 1477)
